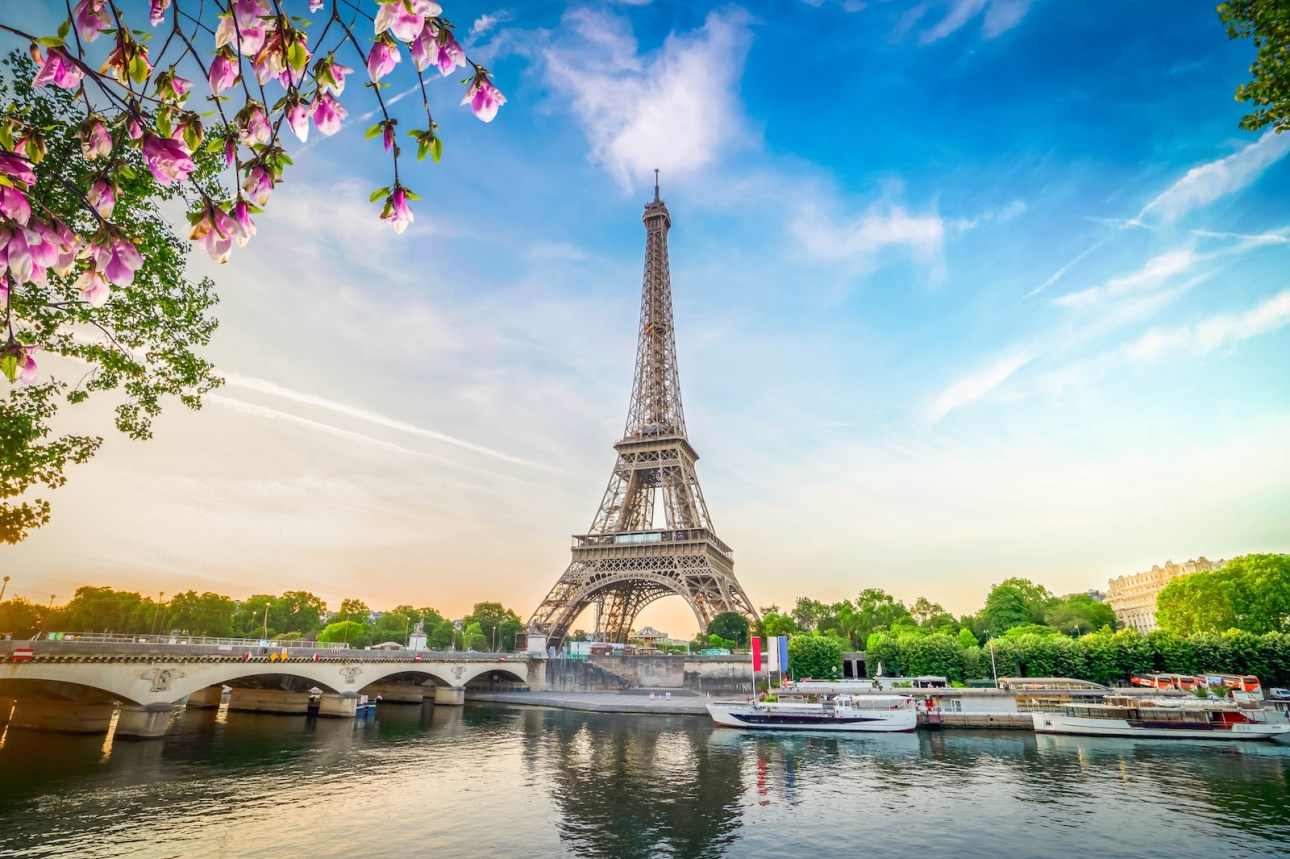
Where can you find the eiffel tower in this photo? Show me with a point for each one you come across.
(627, 559)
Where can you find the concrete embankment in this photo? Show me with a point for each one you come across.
(681, 703)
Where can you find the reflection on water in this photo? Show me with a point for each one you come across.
(534, 782)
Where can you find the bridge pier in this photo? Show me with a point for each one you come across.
(397, 693)
(145, 723)
(343, 705)
(68, 717)
(206, 699)
(452, 696)
(268, 701)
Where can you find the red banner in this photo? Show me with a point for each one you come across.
(756, 647)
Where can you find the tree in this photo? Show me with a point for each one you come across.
(774, 623)
(1005, 607)
(298, 611)
(1251, 593)
(877, 610)
(141, 343)
(94, 609)
(204, 614)
(923, 610)
(730, 625)
(1267, 22)
(810, 614)
(1079, 613)
(346, 631)
(80, 160)
(811, 655)
(19, 617)
(492, 618)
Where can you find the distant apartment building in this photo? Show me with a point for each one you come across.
(1133, 597)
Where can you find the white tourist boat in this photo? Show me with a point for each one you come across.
(1166, 718)
(841, 713)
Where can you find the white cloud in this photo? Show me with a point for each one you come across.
(487, 22)
(976, 385)
(880, 227)
(1205, 184)
(1216, 332)
(1000, 17)
(1156, 272)
(673, 110)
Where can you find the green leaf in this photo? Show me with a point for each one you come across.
(436, 149)
(373, 131)
(64, 28)
(9, 366)
(51, 41)
(139, 70)
(411, 195)
(378, 194)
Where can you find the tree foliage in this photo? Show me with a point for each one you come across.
(731, 626)
(1251, 593)
(141, 344)
(1267, 23)
(815, 656)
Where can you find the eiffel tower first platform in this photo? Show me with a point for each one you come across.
(628, 559)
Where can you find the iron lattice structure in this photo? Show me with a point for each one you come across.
(627, 559)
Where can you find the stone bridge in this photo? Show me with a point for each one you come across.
(68, 685)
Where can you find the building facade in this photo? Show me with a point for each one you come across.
(1133, 597)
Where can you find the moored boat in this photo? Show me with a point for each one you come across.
(841, 713)
(1165, 718)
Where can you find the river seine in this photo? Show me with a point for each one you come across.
(525, 782)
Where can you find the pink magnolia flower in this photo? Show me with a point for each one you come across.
(249, 13)
(245, 227)
(134, 129)
(169, 160)
(382, 59)
(255, 128)
(315, 5)
(122, 58)
(14, 205)
(157, 13)
(328, 114)
(388, 135)
(396, 210)
(17, 255)
(404, 24)
(270, 61)
(259, 185)
(95, 140)
(215, 232)
(332, 80)
(117, 258)
(68, 247)
(451, 55)
(224, 72)
(57, 68)
(484, 98)
(91, 19)
(230, 151)
(17, 167)
(171, 86)
(248, 39)
(93, 286)
(24, 367)
(46, 245)
(102, 197)
(298, 119)
(4, 289)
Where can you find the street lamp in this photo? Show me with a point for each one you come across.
(265, 634)
(45, 618)
(160, 596)
(994, 669)
(3, 587)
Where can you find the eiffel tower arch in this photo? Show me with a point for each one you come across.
(652, 536)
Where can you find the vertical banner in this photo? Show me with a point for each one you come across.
(772, 654)
(756, 652)
(783, 653)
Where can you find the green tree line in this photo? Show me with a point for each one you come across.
(293, 615)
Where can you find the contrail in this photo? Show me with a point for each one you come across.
(264, 386)
(273, 414)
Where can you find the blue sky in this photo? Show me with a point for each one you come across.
(964, 290)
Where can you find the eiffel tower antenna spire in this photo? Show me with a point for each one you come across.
(629, 558)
